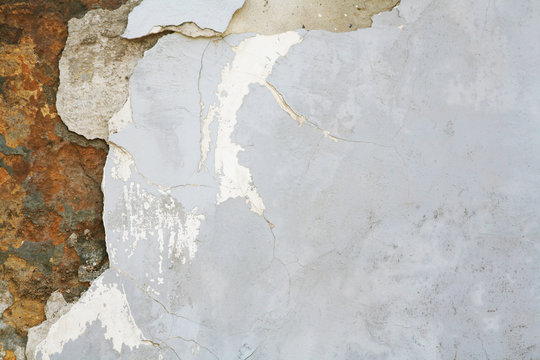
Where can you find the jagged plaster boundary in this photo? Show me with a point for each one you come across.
(235, 180)
(252, 64)
(105, 303)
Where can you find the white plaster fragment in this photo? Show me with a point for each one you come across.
(102, 302)
(56, 307)
(122, 164)
(252, 64)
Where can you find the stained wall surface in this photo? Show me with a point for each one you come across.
(370, 194)
(51, 231)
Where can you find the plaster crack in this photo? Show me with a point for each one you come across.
(301, 119)
(236, 180)
(283, 104)
(120, 271)
(188, 29)
(160, 187)
(253, 352)
(160, 345)
(199, 345)
(201, 103)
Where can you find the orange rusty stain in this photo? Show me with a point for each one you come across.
(10, 355)
(50, 186)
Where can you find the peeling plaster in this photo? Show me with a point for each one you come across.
(56, 307)
(103, 302)
(122, 118)
(93, 93)
(252, 64)
(189, 29)
(168, 216)
(151, 13)
(123, 163)
(391, 219)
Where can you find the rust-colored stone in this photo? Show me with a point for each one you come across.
(10, 355)
(49, 178)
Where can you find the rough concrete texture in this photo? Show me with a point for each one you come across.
(95, 68)
(360, 195)
(49, 178)
(276, 16)
(207, 14)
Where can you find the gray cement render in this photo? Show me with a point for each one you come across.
(400, 219)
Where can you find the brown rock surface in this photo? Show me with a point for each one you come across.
(49, 178)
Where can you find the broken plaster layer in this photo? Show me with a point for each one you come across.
(94, 72)
(404, 207)
(105, 303)
(96, 63)
(207, 14)
(255, 16)
(253, 62)
(56, 307)
(277, 16)
(188, 29)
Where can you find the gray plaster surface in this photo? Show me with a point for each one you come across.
(313, 195)
(207, 14)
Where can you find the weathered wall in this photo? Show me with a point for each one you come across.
(308, 194)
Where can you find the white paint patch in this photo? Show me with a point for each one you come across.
(102, 302)
(147, 216)
(56, 307)
(122, 164)
(255, 57)
(122, 118)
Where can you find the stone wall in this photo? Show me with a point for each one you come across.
(51, 229)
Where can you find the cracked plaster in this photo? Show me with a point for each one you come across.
(97, 61)
(399, 216)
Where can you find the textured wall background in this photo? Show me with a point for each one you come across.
(304, 194)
